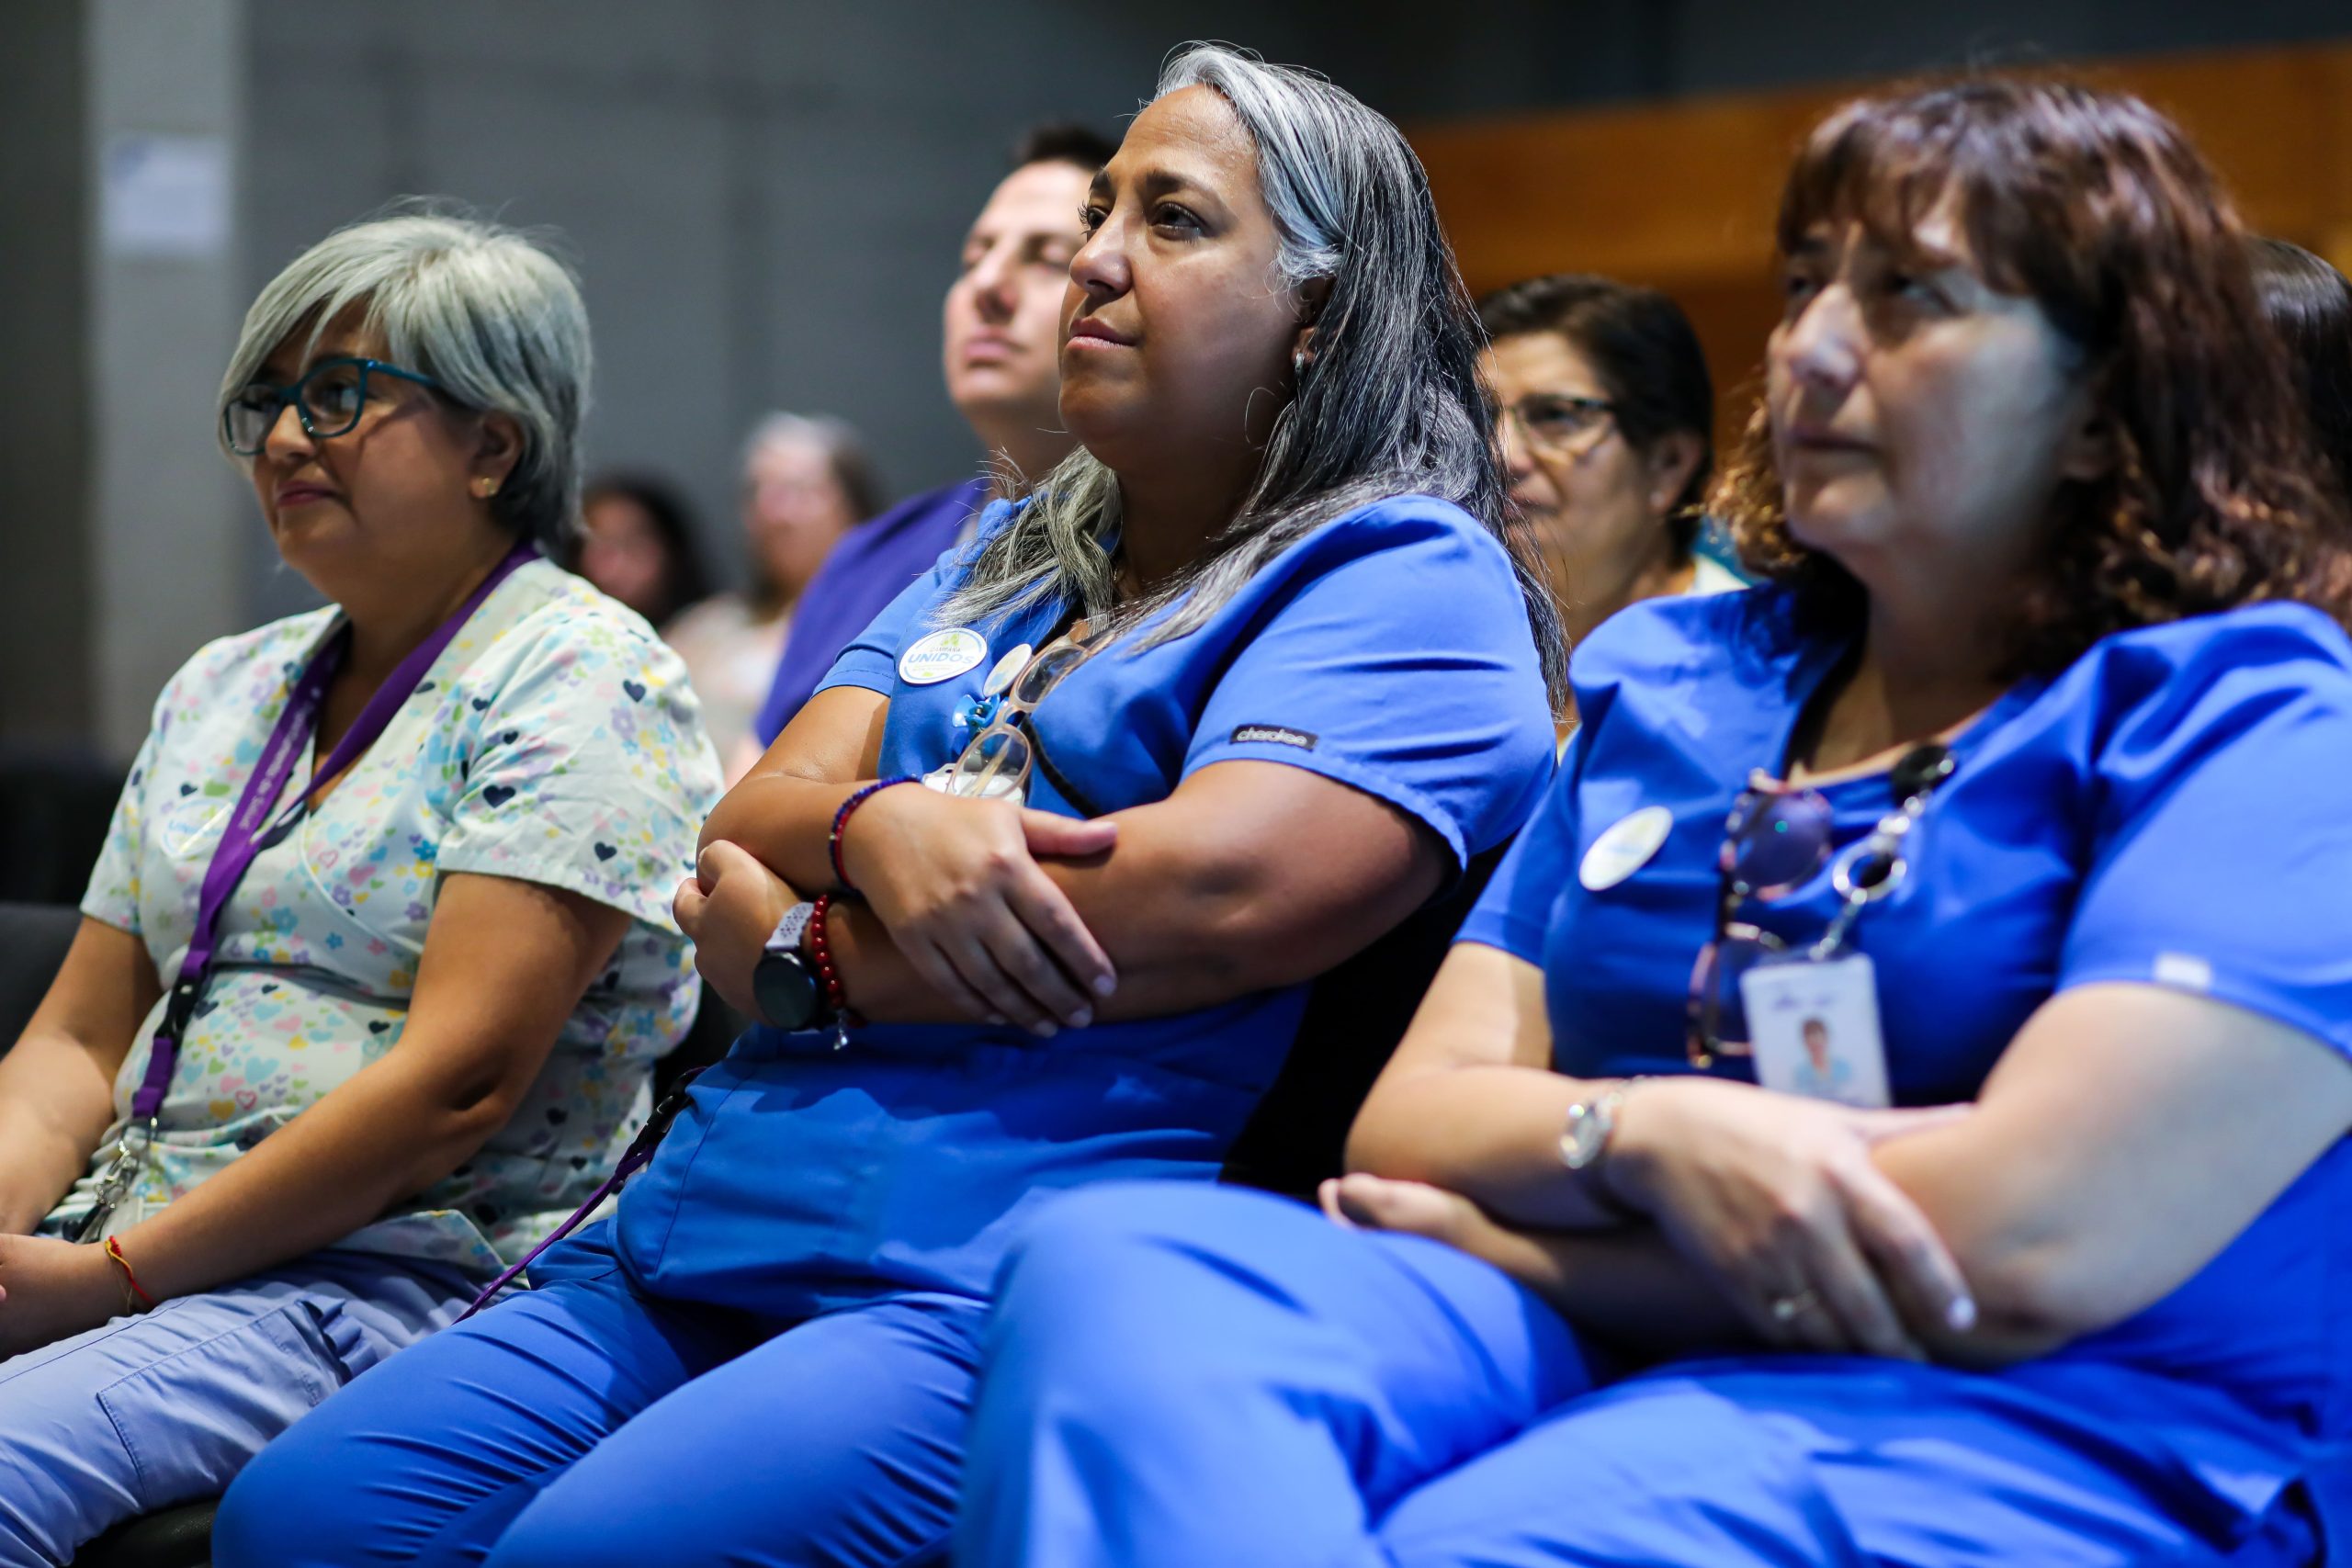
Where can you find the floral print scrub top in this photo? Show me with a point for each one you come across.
(556, 740)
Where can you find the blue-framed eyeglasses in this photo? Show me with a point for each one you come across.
(328, 399)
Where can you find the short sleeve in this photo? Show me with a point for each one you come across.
(871, 659)
(1515, 911)
(1399, 662)
(2222, 850)
(112, 898)
(115, 886)
(590, 771)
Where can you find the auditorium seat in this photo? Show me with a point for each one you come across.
(1355, 1015)
(55, 805)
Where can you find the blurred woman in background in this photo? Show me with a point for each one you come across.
(2310, 304)
(1608, 434)
(806, 483)
(639, 545)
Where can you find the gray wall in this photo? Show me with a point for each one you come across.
(166, 514)
(44, 450)
(122, 549)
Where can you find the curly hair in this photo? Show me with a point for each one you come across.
(2097, 208)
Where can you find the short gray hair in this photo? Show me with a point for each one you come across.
(1390, 404)
(844, 448)
(484, 309)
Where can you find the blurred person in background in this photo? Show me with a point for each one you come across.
(806, 483)
(639, 545)
(1606, 417)
(1002, 342)
(2310, 304)
(375, 967)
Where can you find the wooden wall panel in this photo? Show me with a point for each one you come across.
(1681, 195)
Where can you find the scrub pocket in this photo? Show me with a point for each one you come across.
(770, 1168)
(193, 1413)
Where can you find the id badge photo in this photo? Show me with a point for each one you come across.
(1815, 1029)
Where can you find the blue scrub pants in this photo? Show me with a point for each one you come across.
(166, 1407)
(585, 1422)
(1183, 1376)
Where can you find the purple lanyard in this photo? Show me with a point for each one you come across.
(245, 838)
(636, 1158)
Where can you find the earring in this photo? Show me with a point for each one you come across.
(485, 487)
(1298, 363)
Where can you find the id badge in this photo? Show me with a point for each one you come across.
(942, 779)
(1814, 1030)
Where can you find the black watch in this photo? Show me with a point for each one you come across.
(785, 985)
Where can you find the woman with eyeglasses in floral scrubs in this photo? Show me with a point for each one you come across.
(375, 965)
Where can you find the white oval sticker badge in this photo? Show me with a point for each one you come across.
(941, 656)
(1624, 847)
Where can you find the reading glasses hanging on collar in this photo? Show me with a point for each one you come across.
(1774, 841)
(996, 762)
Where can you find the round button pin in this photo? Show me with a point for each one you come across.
(1624, 847)
(941, 656)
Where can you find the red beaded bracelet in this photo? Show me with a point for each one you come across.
(858, 797)
(836, 993)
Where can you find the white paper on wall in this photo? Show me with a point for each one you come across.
(165, 196)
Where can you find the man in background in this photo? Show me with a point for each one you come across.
(1003, 365)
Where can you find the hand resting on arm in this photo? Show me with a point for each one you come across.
(1250, 876)
(1785, 1199)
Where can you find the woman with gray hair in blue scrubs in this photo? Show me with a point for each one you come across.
(378, 955)
(1245, 682)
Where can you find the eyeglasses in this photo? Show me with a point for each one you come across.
(996, 762)
(1555, 420)
(328, 399)
(1774, 841)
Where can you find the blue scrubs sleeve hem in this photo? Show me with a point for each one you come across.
(2238, 991)
(1525, 946)
(1341, 770)
(869, 677)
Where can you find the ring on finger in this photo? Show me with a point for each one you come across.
(1785, 1309)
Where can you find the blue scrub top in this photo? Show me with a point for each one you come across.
(2169, 810)
(1389, 651)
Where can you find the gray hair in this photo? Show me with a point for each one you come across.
(484, 309)
(1390, 404)
(836, 438)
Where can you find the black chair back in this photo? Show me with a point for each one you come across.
(55, 806)
(1355, 1015)
(33, 940)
